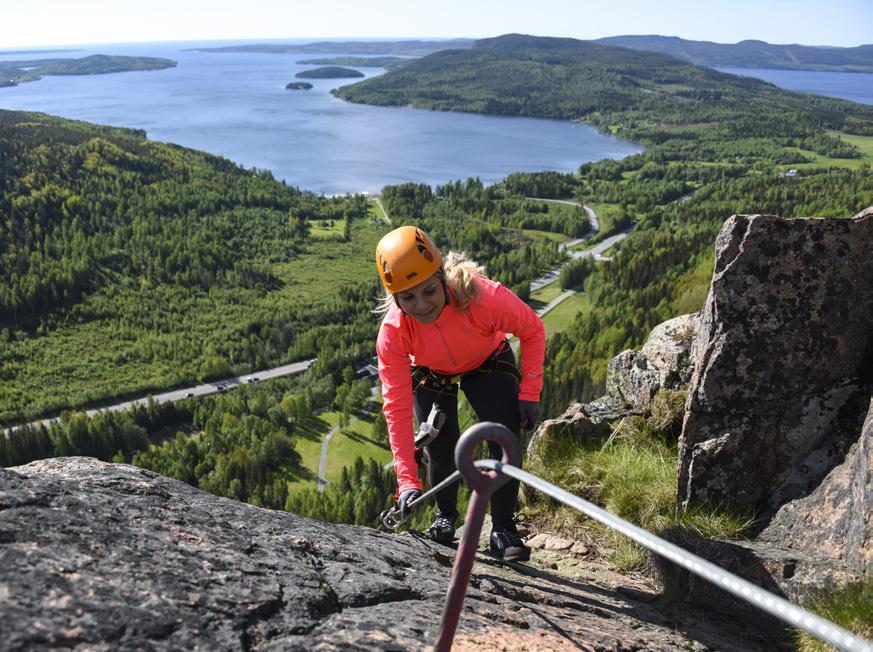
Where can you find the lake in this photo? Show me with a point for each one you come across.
(236, 105)
(854, 86)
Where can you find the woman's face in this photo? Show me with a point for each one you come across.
(424, 301)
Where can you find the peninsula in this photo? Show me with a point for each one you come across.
(17, 72)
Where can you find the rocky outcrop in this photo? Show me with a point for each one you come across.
(98, 556)
(784, 369)
(835, 521)
(665, 362)
(633, 380)
(779, 419)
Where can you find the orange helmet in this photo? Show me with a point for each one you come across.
(405, 257)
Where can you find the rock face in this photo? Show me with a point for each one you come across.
(103, 556)
(633, 379)
(782, 384)
(835, 520)
(784, 367)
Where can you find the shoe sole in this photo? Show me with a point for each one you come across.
(444, 540)
(521, 555)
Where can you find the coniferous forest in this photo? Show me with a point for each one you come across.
(130, 266)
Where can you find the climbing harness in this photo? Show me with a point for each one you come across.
(448, 383)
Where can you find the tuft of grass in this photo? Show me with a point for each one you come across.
(850, 606)
(633, 475)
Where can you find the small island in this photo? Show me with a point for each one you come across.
(329, 72)
(298, 86)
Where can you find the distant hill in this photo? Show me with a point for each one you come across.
(571, 79)
(403, 48)
(752, 54)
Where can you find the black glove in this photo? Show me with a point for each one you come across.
(529, 412)
(405, 498)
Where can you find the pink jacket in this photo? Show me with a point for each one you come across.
(454, 343)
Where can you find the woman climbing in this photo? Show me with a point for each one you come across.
(445, 325)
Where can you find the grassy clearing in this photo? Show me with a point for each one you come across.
(307, 442)
(545, 235)
(303, 277)
(863, 143)
(327, 228)
(375, 212)
(633, 475)
(548, 293)
(350, 443)
(565, 312)
(544, 295)
(344, 447)
(850, 607)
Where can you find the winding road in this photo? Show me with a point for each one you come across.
(595, 252)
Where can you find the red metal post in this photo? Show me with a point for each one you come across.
(483, 484)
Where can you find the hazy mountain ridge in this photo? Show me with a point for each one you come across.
(408, 48)
(752, 53)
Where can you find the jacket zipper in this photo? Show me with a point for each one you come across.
(449, 353)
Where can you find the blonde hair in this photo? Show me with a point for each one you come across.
(459, 273)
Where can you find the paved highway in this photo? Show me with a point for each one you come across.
(198, 390)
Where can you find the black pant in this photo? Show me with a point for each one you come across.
(494, 397)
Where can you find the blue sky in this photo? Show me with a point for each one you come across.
(60, 22)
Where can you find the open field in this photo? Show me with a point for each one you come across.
(350, 443)
(344, 447)
(561, 316)
(545, 235)
(544, 295)
(327, 228)
(863, 143)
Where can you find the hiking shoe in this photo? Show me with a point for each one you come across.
(443, 529)
(506, 544)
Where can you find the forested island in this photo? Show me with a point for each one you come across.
(329, 72)
(298, 86)
(16, 72)
(129, 265)
(752, 53)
